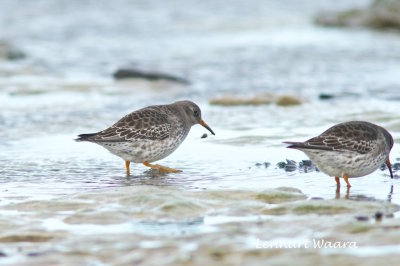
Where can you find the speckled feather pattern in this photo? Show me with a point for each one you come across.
(148, 134)
(355, 148)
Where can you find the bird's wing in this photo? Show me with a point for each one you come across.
(147, 123)
(358, 137)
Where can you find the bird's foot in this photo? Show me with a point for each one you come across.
(161, 168)
(346, 179)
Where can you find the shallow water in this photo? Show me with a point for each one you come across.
(71, 203)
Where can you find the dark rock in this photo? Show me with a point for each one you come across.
(378, 216)
(362, 218)
(258, 164)
(291, 162)
(325, 96)
(307, 163)
(290, 166)
(151, 76)
(34, 254)
(396, 166)
(383, 167)
(307, 166)
(204, 136)
(317, 198)
(281, 165)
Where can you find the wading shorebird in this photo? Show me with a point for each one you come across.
(350, 149)
(149, 134)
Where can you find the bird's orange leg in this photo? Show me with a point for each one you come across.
(128, 172)
(346, 178)
(161, 168)
(337, 181)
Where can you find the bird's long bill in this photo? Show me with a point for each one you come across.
(389, 166)
(206, 126)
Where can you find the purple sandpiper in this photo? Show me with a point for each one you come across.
(350, 149)
(149, 134)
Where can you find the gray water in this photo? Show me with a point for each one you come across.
(70, 203)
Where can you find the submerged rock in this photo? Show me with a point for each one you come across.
(325, 96)
(282, 194)
(8, 52)
(378, 216)
(266, 164)
(396, 166)
(304, 166)
(290, 166)
(287, 100)
(281, 165)
(151, 76)
(381, 14)
(261, 99)
(362, 218)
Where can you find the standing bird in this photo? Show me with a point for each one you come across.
(149, 134)
(350, 149)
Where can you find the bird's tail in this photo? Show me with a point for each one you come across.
(85, 137)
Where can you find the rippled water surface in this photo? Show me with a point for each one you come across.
(64, 202)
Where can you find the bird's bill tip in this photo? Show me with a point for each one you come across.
(204, 124)
(389, 165)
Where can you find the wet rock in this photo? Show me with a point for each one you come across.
(325, 96)
(261, 99)
(281, 165)
(317, 198)
(25, 238)
(288, 100)
(396, 166)
(235, 100)
(266, 164)
(381, 14)
(378, 216)
(320, 207)
(306, 166)
(362, 218)
(151, 76)
(204, 136)
(306, 163)
(283, 194)
(35, 254)
(290, 166)
(8, 52)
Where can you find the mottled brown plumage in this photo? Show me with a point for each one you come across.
(350, 149)
(149, 134)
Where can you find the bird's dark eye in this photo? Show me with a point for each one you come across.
(196, 113)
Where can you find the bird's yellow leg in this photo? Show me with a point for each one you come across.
(161, 168)
(346, 178)
(337, 181)
(128, 172)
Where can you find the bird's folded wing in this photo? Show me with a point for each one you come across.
(142, 124)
